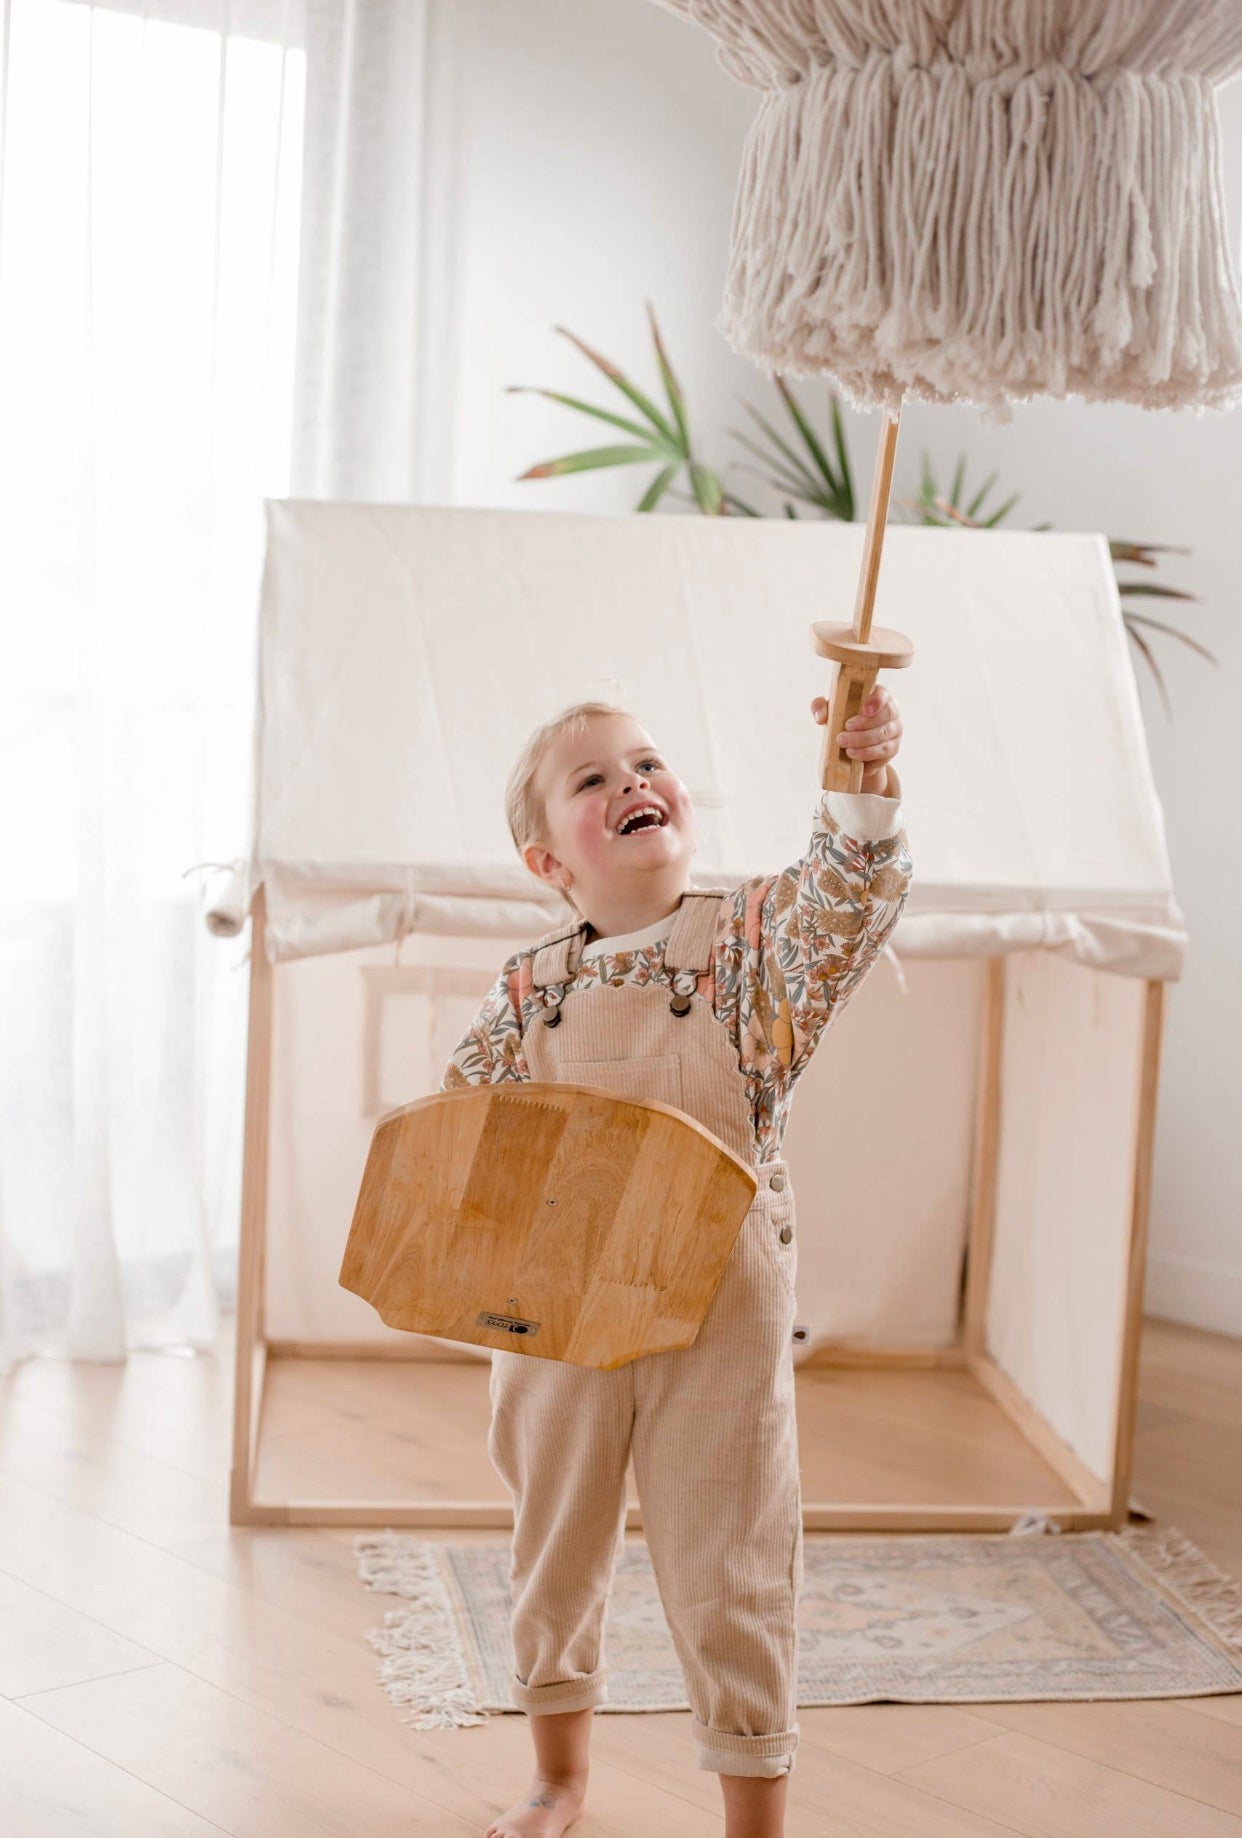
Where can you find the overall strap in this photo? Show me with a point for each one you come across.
(556, 955)
(690, 943)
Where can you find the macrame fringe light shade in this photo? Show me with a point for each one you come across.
(982, 200)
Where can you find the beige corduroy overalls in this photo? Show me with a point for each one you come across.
(711, 1427)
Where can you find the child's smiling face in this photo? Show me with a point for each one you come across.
(618, 822)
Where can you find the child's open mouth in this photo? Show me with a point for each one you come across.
(645, 817)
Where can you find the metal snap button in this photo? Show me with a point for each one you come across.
(680, 1005)
(554, 1019)
(777, 1183)
(786, 1233)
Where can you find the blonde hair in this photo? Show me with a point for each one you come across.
(524, 807)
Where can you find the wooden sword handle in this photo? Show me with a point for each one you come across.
(851, 686)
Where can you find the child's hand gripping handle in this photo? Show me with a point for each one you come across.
(860, 652)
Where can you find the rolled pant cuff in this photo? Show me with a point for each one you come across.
(567, 1694)
(725, 1753)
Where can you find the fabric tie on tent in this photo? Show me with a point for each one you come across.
(224, 894)
(958, 200)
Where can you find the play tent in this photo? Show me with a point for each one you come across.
(972, 1198)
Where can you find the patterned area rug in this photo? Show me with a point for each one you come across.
(914, 1619)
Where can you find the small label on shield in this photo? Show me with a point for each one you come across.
(508, 1324)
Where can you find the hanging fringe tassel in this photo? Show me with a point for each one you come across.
(947, 200)
(1187, 1574)
(424, 1665)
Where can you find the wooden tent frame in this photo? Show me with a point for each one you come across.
(1099, 1504)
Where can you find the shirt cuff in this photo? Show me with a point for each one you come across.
(865, 815)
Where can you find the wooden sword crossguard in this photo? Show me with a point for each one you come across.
(859, 651)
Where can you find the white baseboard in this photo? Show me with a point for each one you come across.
(1201, 1295)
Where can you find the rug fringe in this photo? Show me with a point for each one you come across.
(1184, 1570)
(424, 1663)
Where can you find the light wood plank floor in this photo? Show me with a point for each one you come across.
(341, 1429)
(164, 1675)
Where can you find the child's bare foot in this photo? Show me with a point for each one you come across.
(544, 1812)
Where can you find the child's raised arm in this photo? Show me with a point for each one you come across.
(794, 946)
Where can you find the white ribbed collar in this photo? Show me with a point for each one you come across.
(630, 941)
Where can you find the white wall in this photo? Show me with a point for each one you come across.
(597, 147)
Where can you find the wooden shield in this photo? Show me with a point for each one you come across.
(552, 1219)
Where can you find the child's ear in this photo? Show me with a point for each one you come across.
(543, 864)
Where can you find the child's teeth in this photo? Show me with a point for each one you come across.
(645, 810)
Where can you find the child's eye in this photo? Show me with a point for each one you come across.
(595, 778)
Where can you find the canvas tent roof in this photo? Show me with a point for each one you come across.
(406, 652)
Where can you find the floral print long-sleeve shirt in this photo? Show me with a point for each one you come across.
(790, 950)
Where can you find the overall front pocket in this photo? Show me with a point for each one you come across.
(658, 1079)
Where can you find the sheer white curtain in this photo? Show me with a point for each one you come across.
(375, 387)
(150, 195)
(226, 261)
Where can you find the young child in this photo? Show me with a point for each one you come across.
(712, 1001)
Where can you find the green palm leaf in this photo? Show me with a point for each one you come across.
(708, 491)
(843, 461)
(774, 472)
(808, 434)
(972, 509)
(990, 523)
(1153, 587)
(1161, 625)
(1153, 666)
(590, 460)
(1144, 553)
(804, 470)
(959, 479)
(617, 377)
(657, 488)
(671, 387)
(583, 408)
(797, 464)
(934, 507)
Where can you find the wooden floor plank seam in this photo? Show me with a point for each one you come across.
(270, 1717)
(1101, 1770)
(24, 1698)
(1142, 1765)
(120, 1442)
(108, 1760)
(38, 1589)
(380, 1715)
